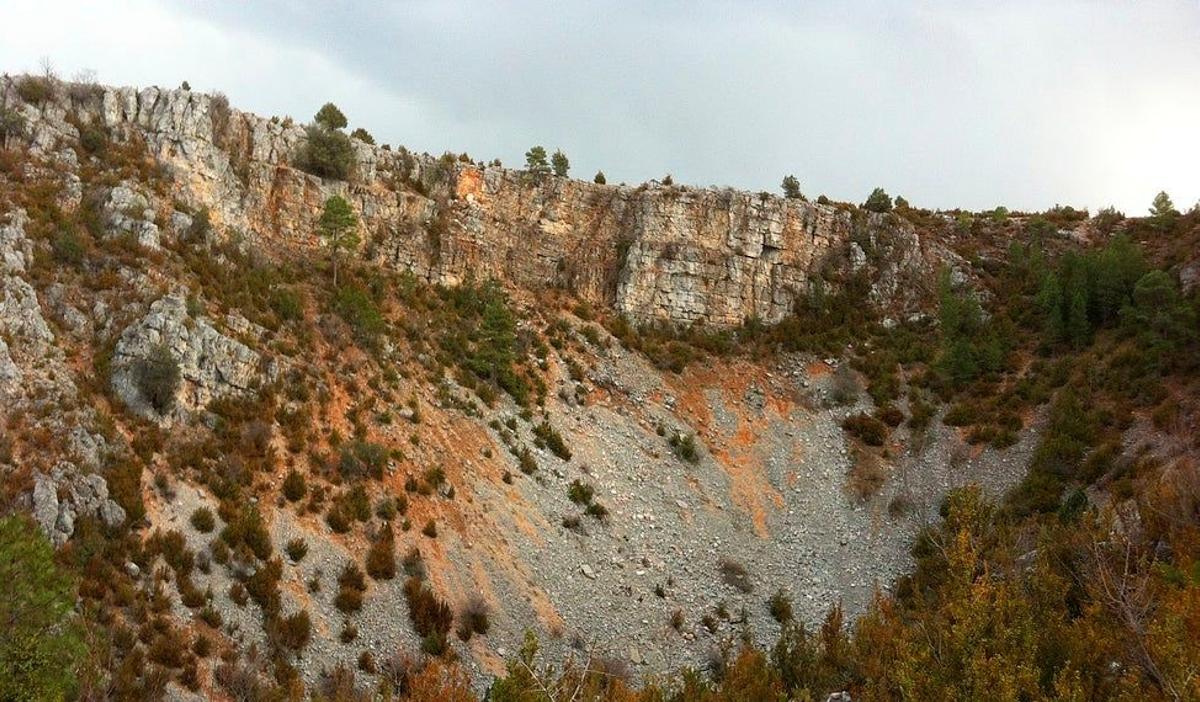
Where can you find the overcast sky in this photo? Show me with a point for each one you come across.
(1025, 104)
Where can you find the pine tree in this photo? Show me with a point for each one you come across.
(330, 117)
(878, 201)
(599, 179)
(560, 163)
(535, 161)
(1050, 302)
(1163, 211)
(791, 187)
(327, 151)
(1078, 328)
(494, 353)
(339, 228)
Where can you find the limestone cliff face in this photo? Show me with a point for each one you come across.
(653, 252)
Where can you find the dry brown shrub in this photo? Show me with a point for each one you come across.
(867, 474)
(438, 682)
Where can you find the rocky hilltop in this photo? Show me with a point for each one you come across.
(653, 252)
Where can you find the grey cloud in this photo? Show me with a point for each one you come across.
(949, 103)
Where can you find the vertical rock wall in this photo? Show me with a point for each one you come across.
(653, 252)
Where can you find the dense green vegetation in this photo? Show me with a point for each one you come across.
(42, 642)
(327, 151)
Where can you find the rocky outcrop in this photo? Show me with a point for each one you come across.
(65, 495)
(653, 252)
(127, 212)
(15, 249)
(21, 319)
(211, 365)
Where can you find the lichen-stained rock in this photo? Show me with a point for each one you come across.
(211, 365)
(65, 495)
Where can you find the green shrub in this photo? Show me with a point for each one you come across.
(326, 153)
(68, 247)
(296, 549)
(337, 520)
(580, 493)
(287, 305)
(780, 607)
(414, 564)
(247, 527)
(263, 586)
(550, 437)
(157, 378)
(474, 618)
(294, 486)
(362, 459)
(12, 123)
(36, 90)
(684, 447)
(41, 646)
(202, 520)
(526, 461)
(356, 307)
(94, 139)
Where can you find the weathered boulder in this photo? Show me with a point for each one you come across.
(65, 495)
(211, 365)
